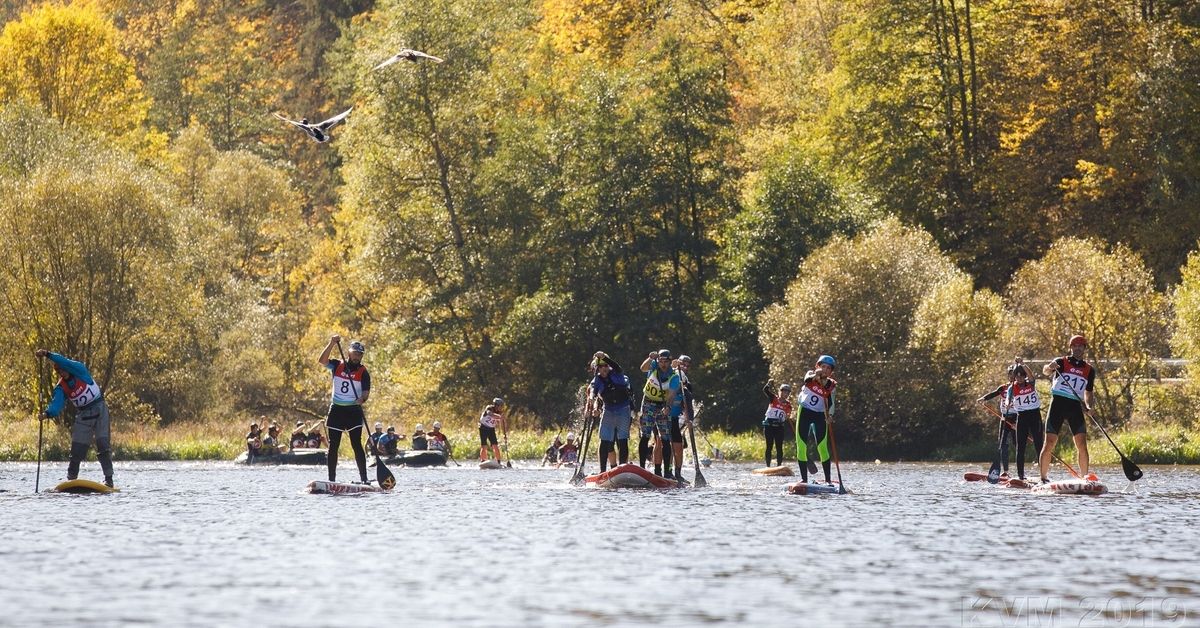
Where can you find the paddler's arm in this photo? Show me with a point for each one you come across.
(76, 369)
(57, 400)
(1051, 368)
(366, 387)
(324, 359)
(653, 359)
(769, 390)
(832, 405)
(992, 395)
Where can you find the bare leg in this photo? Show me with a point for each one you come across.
(1047, 450)
(1082, 451)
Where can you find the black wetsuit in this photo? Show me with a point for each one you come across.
(1006, 434)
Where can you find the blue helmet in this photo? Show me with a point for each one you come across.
(827, 359)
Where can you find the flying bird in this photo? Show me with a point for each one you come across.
(407, 54)
(320, 130)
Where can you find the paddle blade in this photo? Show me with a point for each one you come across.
(1132, 471)
(384, 475)
(699, 482)
(994, 472)
(812, 467)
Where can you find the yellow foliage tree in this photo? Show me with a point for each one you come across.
(600, 27)
(66, 59)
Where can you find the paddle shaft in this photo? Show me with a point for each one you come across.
(833, 446)
(687, 412)
(504, 430)
(1030, 439)
(37, 479)
(585, 440)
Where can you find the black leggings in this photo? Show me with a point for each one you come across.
(774, 435)
(606, 446)
(1029, 425)
(1006, 435)
(360, 455)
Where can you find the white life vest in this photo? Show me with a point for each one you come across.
(1024, 397)
(1071, 381)
(814, 396)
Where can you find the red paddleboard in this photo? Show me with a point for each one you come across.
(322, 487)
(1074, 486)
(630, 475)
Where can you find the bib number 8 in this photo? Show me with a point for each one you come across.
(345, 387)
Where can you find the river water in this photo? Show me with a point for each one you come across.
(211, 544)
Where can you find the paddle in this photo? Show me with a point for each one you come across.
(504, 429)
(37, 480)
(699, 482)
(1133, 473)
(1030, 439)
(833, 445)
(383, 475)
(810, 442)
(585, 441)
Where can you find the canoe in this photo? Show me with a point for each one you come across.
(491, 464)
(811, 488)
(323, 487)
(630, 475)
(781, 470)
(417, 458)
(295, 456)
(1073, 486)
(83, 487)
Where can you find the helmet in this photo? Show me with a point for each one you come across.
(783, 387)
(498, 401)
(391, 428)
(827, 359)
(378, 425)
(437, 425)
(664, 353)
(420, 427)
(570, 435)
(1077, 340)
(299, 423)
(357, 346)
(685, 358)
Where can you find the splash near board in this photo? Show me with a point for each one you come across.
(782, 470)
(1073, 486)
(808, 488)
(83, 487)
(630, 475)
(322, 487)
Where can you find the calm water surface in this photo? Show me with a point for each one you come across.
(209, 544)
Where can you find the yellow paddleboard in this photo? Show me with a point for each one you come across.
(82, 487)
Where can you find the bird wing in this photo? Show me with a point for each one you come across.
(390, 60)
(332, 122)
(418, 53)
(298, 125)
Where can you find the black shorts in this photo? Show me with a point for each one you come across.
(676, 431)
(1062, 408)
(487, 435)
(344, 417)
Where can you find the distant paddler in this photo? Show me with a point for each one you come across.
(75, 384)
(776, 419)
(816, 413)
(1008, 416)
(491, 418)
(351, 388)
(1071, 389)
(658, 395)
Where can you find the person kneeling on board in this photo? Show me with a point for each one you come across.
(551, 455)
(816, 413)
(351, 388)
(389, 443)
(420, 442)
(75, 384)
(437, 439)
(315, 439)
(299, 439)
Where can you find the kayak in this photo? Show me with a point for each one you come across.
(295, 456)
(1073, 486)
(630, 475)
(418, 458)
(491, 464)
(809, 488)
(780, 470)
(83, 487)
(322, 487)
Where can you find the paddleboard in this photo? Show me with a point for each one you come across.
(780, 470)
(323, 487)
(82, 487)
(630, 475)
(1073, 486)
(1006, 482)
(491, 464)
(808, 488)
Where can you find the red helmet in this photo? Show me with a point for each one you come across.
(1077, 340)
